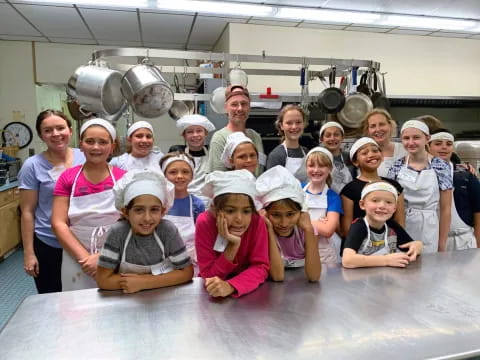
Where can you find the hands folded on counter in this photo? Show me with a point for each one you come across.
(217, 287)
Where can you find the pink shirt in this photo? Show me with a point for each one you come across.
(293, 247)
(250, 266)
(64, 184)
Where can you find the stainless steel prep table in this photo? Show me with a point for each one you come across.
(430, 309)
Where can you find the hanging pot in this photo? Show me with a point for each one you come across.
(97, 89)
(72, 103)
(363, 86)
(238, 77)
(217, 102)
(146, 91)
(180, 108)
(332, 99)
(379, 99)
(356, 107)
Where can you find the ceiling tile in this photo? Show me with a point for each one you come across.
(55, 21)
(160, 27)
(368, 29)
(450, 34)
(321, 26)
(259, 21)
(73, 41)
(23, 38)
(409, 32)
(12, 23)
(112, 24)
(207, 29)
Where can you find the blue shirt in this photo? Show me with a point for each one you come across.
(181, 207)
(34, 176)
(334, 202)
(441, 168)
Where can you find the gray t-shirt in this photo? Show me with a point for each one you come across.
(143, 250)
(217, 144)
(278, 156)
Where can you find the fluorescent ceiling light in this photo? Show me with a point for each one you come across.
(425, 22)
(216, 7)
(109, 3)
(321, 15)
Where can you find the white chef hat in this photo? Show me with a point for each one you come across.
(180, 157)
(233, 140)
(359, 143)
(322, 150)
(416, 124)
(331, 124)
(442, 135)
(278, 183)
(100, 122)
(379, 186)
(189, 120)
(139, 125)
(223, 182)
(143, 182)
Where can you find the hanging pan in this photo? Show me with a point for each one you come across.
(357, 105)
(332, 99)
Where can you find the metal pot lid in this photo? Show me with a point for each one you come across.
(356, 107)
(217, 102)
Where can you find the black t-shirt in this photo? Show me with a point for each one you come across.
(357, 237)
(466, 194)
(181, 148)
(353, 191)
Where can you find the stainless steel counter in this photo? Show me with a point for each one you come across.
(430, 309)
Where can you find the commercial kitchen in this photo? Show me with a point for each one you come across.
(421, 58)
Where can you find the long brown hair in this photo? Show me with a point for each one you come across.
(281, 114)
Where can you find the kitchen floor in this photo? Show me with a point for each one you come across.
(15, 285)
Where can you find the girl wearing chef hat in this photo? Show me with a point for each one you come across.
(375, 239)
(427, 184)
(84, 206)
(331, 137)
(240, 153)
(142, 153)
(194, 129)
(324, 204)
(178, 169)
(465, 225)
(292, 241)
(231, 238)
(366, 154)
(290, 124)
(144, 250)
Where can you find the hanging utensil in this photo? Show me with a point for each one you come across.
(356, 107)
(332, 99)
(378, 98)
(179, 108)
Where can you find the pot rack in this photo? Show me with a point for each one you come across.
(169, 62)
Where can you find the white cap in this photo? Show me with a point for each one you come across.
(143, 182)
(223, 182)
(322, 150)
(443, 135)
(331, 124)
(139, 125)
(181, 157)
(190, 120)
(416, 124)
(233, 140)
(100, 122)
(379, 186)
(278, 183)
(359, 143)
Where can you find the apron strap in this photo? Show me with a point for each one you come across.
(385, 237)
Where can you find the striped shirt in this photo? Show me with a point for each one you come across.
(143, 250)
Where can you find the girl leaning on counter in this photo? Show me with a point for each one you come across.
(84, 205)
(37, 177)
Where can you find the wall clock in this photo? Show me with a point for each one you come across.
(17, 132)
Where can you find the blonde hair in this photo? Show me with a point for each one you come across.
(432, 122)
(281, 114)
(321, 159)
(379, 111)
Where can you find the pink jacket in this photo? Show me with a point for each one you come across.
(251, 264)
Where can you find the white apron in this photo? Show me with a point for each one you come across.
(129, 162)
(422, 196)
(460, 236)
(186, 228)
(329, 248)
(383, 251)
(341, 176)
(296, 166)
(201, 170)
(162, 267)
(90, 218)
